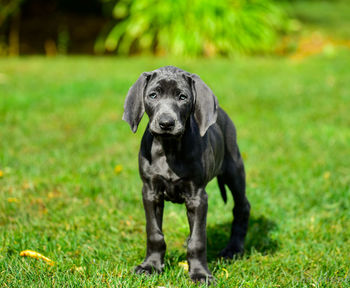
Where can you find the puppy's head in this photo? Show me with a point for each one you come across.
(169, 95)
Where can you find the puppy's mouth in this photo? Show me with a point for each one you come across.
(167, 134)
(167, 131)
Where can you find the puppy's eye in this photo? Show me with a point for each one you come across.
(153, 95)
(182, 97)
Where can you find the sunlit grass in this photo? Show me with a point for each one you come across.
(70, 189)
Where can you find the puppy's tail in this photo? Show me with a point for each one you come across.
(222, 188)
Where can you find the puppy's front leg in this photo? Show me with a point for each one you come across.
(197, 207)
(156, 246)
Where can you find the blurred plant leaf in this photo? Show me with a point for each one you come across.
(199, 27)
(8, 8)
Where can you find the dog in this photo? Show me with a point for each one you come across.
(188, 141)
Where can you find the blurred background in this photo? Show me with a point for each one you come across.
(181, 28)
(69, 182)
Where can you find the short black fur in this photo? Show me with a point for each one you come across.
(189, 140)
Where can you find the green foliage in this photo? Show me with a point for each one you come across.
(199, 27)
(7, 8)
(326, 17)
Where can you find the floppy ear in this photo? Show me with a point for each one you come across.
(205, 104)
(133, 106)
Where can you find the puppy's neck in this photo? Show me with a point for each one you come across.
(175, 145)
(169, 145)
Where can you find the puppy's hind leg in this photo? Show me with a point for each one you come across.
(234, 178)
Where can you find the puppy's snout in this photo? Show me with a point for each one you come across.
(166, 122)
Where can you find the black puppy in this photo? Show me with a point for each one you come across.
(189, 140)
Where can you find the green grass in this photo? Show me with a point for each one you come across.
(62, 135)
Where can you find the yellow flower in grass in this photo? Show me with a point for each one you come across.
(36, 255)
(118, 168)
(1, 173)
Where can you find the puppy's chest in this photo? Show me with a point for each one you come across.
(161, 168)
(170, 179)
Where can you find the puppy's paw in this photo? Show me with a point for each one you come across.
(148, 269)
(203, 278)
(231, 253)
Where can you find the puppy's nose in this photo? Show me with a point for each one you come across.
(166, 122)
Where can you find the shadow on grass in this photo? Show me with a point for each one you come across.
(257, 239)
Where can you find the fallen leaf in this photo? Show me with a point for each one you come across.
(326, 175)
(36, 255)
(80, 269)
(53, 194)
(3, 78)
(28, 185)
(184, 265)
(226, 272)
(253, 184)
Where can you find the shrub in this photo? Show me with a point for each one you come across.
(197, 27)
(7, 8)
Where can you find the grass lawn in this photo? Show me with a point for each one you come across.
(63, 144)
(61, 136)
